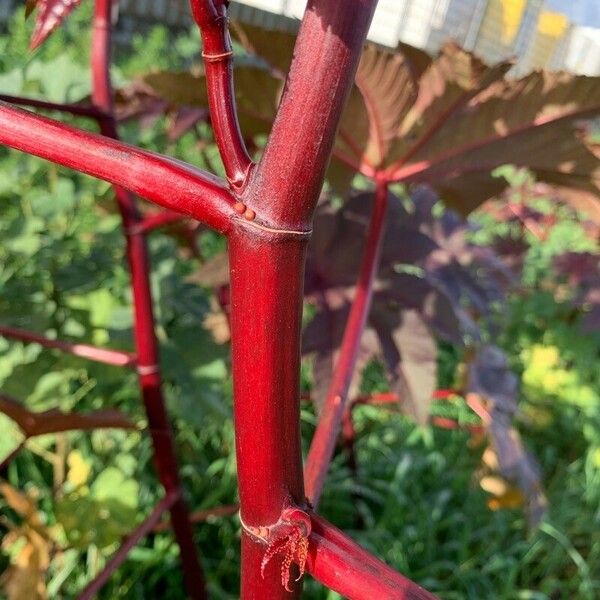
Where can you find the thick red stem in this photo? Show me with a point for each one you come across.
(145, 338)
(166, 181)
(266, 267)
(323, 442)
(342, 565)
(293, 164)
(265, 322)
(103, 355)
(217, 52)
(92, 589)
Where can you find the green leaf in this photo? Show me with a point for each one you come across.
(111, 484)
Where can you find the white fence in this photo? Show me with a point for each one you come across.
(494, 29)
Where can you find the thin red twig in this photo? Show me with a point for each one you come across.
(217, 52)
(103, 355)
(78, 110)
(323, 442)
(144, 325)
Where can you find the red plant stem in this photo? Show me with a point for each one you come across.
(103, 355)
(145, 338)
(266, 270)
(78, 110)
(265, 323)
(323, 442)
(342, 565)
(189, 190)
(296, 156)
(217, 52)
(120, 555)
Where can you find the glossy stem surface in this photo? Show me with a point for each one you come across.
(217, 52)
(328, 427)
(189, 190)
(296, 156)
(265, 323)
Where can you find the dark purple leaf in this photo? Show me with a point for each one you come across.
(491, 379)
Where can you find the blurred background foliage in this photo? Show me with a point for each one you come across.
(424, 498)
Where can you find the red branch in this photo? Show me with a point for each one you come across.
(211, 17)
(323, 442)
(149, 376)
(202, 515)
(342, 565)
(103, 355)
(79, 110)
(166, 181)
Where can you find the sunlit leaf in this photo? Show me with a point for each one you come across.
(464, 119)
(79, 468)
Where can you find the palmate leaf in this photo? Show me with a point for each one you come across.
(55, 421)
(407, 309)
(406, 110)
(378, 115)
(51, 14)
(468, 118)
(449, 121)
